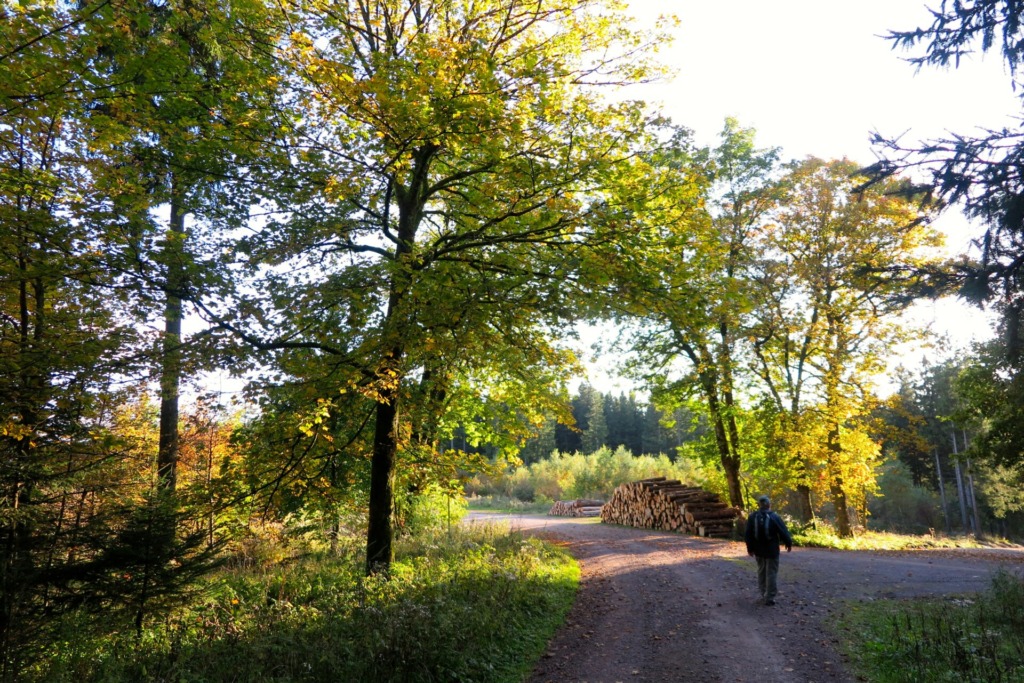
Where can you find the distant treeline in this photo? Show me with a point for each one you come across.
(605, 420)
(615, 421)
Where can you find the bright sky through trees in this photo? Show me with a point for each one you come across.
(817, 78)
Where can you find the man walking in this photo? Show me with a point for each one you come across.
(765, 531)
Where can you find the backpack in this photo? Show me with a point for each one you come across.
(764, 529)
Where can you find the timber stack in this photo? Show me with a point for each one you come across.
(581, 507)
(670, 505)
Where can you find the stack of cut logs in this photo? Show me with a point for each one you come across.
(669, 505)
(581, 507)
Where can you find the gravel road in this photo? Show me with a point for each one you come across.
(657, 607)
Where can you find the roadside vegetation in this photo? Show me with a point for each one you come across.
(563, 476)
(824, 536)
(467, 603)
(967, 638)
(475, 604)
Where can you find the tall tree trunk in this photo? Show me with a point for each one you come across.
(970, 487)
(710, 386)
(730, 463)
(836, 488)
(960, 495)
(804, 507)
(961, 491)
(843, 526)
(942, 493)
(804, 504)
(733, 462)
(411, 201)
(976, 520)
(379, 532)
(170, 360)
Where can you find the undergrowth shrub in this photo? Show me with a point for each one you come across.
(902, 505)
(973, 638)
(470, 605)
(429, 511)
(563, 476)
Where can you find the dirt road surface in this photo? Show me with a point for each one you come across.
(655, 607)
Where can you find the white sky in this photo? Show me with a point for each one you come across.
(814, 77)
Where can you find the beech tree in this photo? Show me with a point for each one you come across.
(181, 127)
(832, 286)
(444, 183)
(689, 309)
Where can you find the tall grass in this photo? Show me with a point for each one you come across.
(473, 605)
(978, 638)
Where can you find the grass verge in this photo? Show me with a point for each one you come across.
(825, 537)
(975, 638)
(476, 606)
(508, 505)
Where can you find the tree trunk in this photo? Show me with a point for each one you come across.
(728, 458)
(804, 509)
(942, 493)
(732, 478)
(974, 501)
(732, 464)
(170, 360)
(379, 550)
(843, 526)
(839, 502)
(379, 533)
(960, 495)
(961, 492)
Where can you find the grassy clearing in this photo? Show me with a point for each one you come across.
(499, 503)
(976, 638)
(476, 606)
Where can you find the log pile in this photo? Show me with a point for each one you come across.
(670, 505)
(581, 507)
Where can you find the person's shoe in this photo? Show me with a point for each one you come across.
(769, 603)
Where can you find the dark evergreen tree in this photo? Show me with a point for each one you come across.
(596, 433)
(541, 445)
(613, 417)
(655, 436)
(640, 428)
(984, 174)
(634, 426)
(150, 562)
(905, 431)
(568, 438)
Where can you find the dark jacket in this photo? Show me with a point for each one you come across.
(763, 539)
